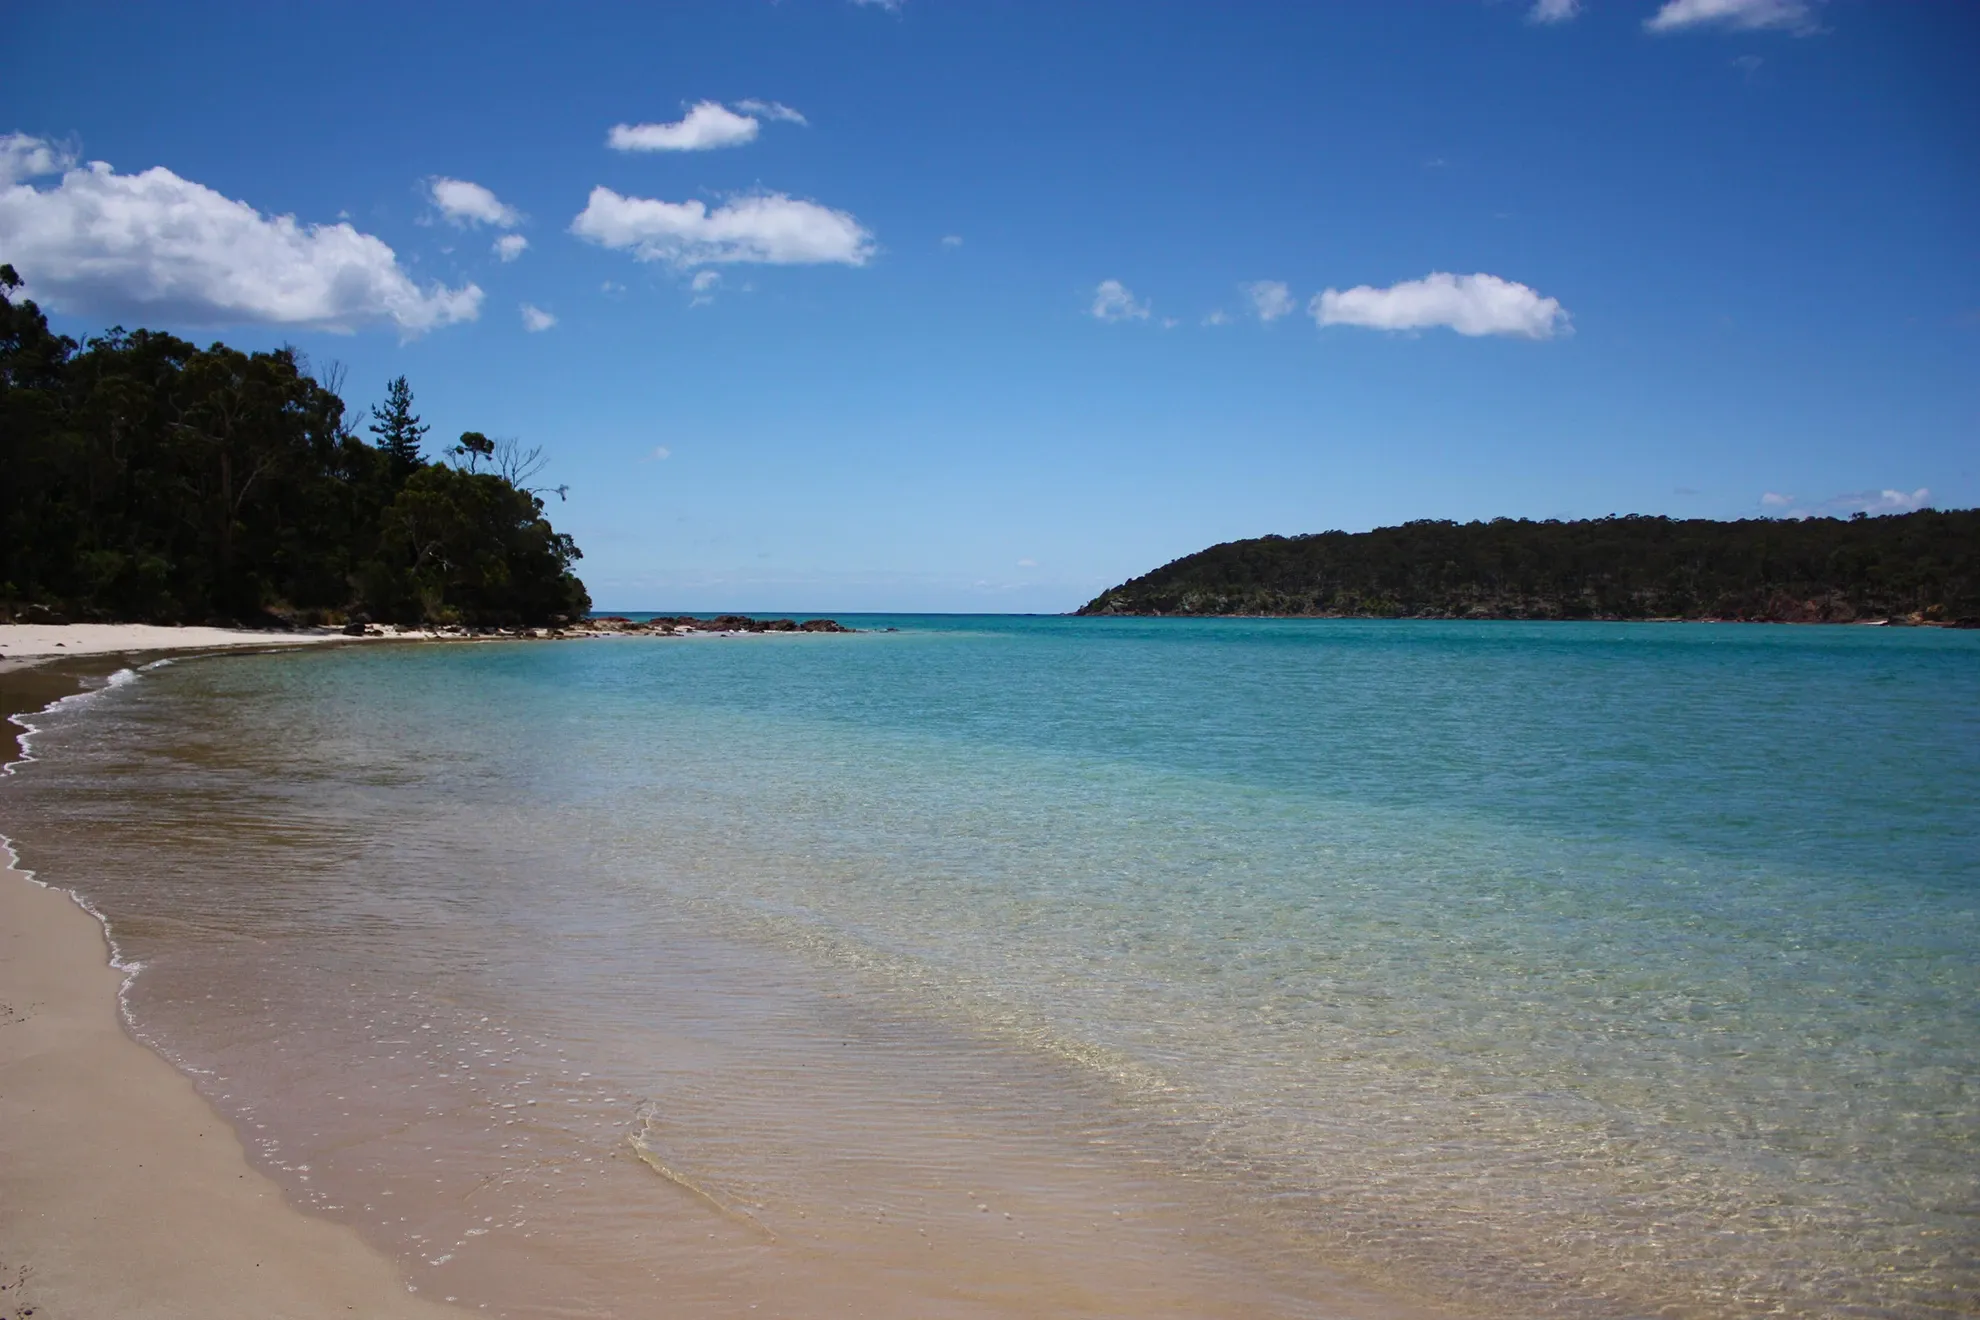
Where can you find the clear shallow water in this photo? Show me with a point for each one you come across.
(1589, 969)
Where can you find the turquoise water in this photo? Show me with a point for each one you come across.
(1579, 968)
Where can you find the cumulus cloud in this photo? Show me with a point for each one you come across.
(1270, 299)
(1553, 11)
(535, 319)
(1872, 502)
(510, 246)
(1113, 302)
(705, 127)
(465, 204)
(1468, 304)
(24, 157)
(767, 228)
(100, 242)
(1797, 15)
(772, 110)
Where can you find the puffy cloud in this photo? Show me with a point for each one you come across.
(24, 157)
(1113, 302)
(100, 242)
(464, 204)
(952, 240)
(705, 127)
(769, 228)
(1468, 304)
(535, 319)
(703, 284)
(1677, 14)
(1872, 502)
(1270, 299)
(1553, 11)
(510, 246)
(771, 110)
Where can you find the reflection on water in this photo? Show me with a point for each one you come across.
(1073, 967)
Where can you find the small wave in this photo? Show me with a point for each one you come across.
(24, 741)
(640, 1139)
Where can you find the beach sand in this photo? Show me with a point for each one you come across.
(121, 1192)
(35, 642)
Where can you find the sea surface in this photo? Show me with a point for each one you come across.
(1008, 966)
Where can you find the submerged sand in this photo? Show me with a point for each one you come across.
(122, 1193)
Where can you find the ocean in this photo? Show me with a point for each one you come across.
(1009, 966)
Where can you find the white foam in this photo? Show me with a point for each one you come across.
(25, 742)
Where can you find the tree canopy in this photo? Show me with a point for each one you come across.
(1924, 565)
(149, 479)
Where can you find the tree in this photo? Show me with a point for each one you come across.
(474, 447)
(142, 477)
(398, 429)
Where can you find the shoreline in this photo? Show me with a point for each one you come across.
(122, 1192)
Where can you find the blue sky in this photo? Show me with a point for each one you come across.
(987, 306)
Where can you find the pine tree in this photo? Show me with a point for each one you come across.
(398, 429)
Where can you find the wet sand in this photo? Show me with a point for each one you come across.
(121, 1192)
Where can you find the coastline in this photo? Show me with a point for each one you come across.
(122, 1192)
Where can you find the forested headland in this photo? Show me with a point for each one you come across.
(1921, 567)
(143, 478)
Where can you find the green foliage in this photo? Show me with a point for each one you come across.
(149, 479)
(398, 429)
(1924, 564)
(474, 447)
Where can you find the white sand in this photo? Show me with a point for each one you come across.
(24, 641)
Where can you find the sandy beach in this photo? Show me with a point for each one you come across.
(121, 1192)
(36, 642)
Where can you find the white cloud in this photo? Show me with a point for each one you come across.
(952, 240)
(776, 111)
(1270, 299)
(891, 6)
(703, 284)
(24, 157)
(1468, 304)
(660, 454)
(510, 246)
(1677, 14)
(1553, 11)
(100, 242)
(1113, 302)
(535, 319)
(769, 228)
(1872, 502)
(464, 204)
(1218, 317)
(705, 127)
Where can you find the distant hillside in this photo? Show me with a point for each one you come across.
(1922, 567)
